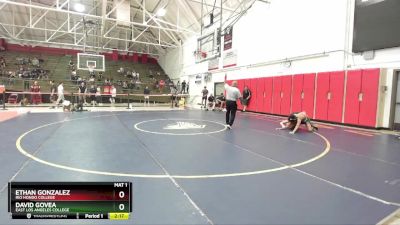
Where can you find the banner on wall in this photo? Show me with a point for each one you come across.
(229, 58)
(198, 79)
(228, 38)
(213, 64)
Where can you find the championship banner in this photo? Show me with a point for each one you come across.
(198, 79)
(213, 64)
(229, 58)
(228, 38)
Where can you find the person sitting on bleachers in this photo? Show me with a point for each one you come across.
(161, 85)
(125, 85)
(73, 75)
(11, 77)
(100, 77)
(134, 76)
(26, 74)
(35, 62)
(91, 79)
(91, 71)
(2, 63)
(131, 84)
(71, 64)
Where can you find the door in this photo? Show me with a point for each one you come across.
(353, 91)
(260, 92)
(369, 97)
(276, 95)
(308, 94)
(286, 95)
(321, 104)
(268, 90)
(336, 92)
(297, 93)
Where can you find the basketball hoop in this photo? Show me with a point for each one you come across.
(200, 55)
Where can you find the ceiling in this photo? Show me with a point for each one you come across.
(57, 23)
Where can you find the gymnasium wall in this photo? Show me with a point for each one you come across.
(315, 35)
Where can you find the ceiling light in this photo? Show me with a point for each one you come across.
(79, 7)
(161, 12)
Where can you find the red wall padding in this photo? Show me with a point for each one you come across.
(276, 95)
(308, 94)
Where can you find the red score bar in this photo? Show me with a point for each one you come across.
(67, 192)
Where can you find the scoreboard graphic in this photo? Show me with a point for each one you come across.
(70, 200)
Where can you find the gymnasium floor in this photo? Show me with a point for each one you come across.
(205, 174)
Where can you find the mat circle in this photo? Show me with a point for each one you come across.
(180, 126)
(177, 176)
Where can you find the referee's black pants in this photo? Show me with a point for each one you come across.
(231, 108)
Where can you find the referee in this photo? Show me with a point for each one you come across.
(232, 95)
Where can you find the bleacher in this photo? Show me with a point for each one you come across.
(59, 70)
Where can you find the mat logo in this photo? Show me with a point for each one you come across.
(183, 126)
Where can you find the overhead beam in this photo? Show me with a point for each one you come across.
(93, 16)
(74, 45)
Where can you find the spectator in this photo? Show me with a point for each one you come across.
(204, 93)
(100, 77)
(211, 102)
(183, 87)
(125, 85)
(246, 97)
(92, 91)
(178, 86)
(71, 64)
(113, 94)
(26, 85)
(173, 93)
(146, 94)
(131, 84)
(121, 70)
(35, 62)
(98, 96)
(82, 90)
(11, 78)
(156, 84)
(74, 76)
(53, 90)
(161, 85)
(91, 79)
(36, 98)
(91, 71)
(60, 93)
(220, 100)
(2, 63)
